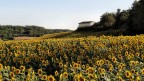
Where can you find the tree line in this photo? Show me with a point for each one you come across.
(9, 31)
(131, 21)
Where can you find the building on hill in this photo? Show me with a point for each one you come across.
(86, 24)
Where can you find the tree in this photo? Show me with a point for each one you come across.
(107, 20)
(136, 18)
(121, 18)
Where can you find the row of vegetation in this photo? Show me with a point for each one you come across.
(131, 20)
(9, 31)
(103, 58)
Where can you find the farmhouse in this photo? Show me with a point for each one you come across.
(86, 24)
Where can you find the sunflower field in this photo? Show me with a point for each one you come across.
(104, 58)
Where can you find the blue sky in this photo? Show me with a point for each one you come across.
(56, 14)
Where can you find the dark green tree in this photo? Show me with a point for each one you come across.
(107, 20)
(136, 18)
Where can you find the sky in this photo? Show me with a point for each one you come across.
(57, 14)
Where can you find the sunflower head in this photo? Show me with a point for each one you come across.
(60, 64)
(44, 77)
(50, 78)
(75, 65)
(17, 71)
(1, 67)
(56, 73)
(114, 59)
(22, 68)
(138, 78)
(142, 71)
(12, 75)
(128, 74)
(65, 75)
(119, 78)
(90, 70)
(81, 78)
(40, 72)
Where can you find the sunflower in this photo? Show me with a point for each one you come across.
(101, 62)
(128, 74)
(32, 77)
(80, 78)
(56, 73)
(120, 78)
(120, 67)
(50, 78)
(114, 59)
(13, 79)
(142, 56)
(27, 78)
(126, 53)
(142, 71)
(79, 62)
(14, 59)
(17, 71)
(21, 62)
(83, 66)
(40, 72)
(1, 76)
(29, 70)
(60, 64)
(98, 63)
(125, 47)
(110, 66)
(99, 69)
(136, 62)
(75, 65)
(22, 68)
(33, 73)
(90, 70)
(12, 75)
(1, 67)
(44, 77)
(120, 56)
(3, 55)
(122, 64)
(95, 75)
(133, 71)
(137, 54)
(106, 61)
(7, 67)
(91, 76)
(102, 70)
(110, 69)
(132, 63)
(65, 75)
(13, 69)
(138, 78)
(27, 60)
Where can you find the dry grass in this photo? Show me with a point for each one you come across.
(55, 35)
(24, 38)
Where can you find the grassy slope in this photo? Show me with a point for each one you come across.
(71, 35)
(24, 38)
(80, 34)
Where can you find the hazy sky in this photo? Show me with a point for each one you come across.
(56, 14)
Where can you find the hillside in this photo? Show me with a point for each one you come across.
(80, 34)
(9, 31)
